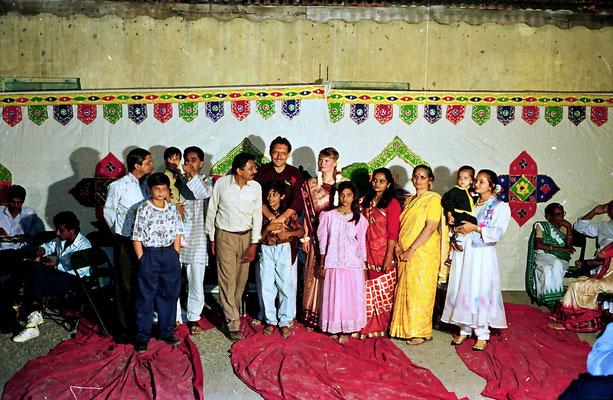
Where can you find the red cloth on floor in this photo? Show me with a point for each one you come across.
(528, 360)
(310, 365)
(93, 366)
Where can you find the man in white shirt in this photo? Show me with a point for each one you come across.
(194, 256)
(52, 276)
(234, 225)
(603, 230)
(123, 198)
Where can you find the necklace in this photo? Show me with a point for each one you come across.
(343, 213)
(481, 202)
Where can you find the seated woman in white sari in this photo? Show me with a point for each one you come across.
(549, 250)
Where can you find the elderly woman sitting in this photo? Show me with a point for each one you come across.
(549, 250)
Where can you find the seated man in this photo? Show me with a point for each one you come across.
(50, 276)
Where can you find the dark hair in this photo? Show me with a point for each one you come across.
(551, 208)
(427, 169)
(466, 168)
(355, 205)
(171, 151)
(388, 194)
(240, 161)
(68, 219)
(16, 191)
(280, 140)
(136, 156)
(156, 179)
(194, 149)
(492, 178)
(279, 187)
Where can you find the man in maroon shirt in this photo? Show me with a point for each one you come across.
(280, 150)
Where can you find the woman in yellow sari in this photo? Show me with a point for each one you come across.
(419, 250)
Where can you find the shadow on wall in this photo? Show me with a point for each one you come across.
(83, 163)
(305, 157)
(444, 180)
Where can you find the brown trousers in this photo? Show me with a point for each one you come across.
(232, 273)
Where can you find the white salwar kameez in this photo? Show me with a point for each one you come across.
(474, 299)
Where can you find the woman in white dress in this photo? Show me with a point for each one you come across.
(474, 299)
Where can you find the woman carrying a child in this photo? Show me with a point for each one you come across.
(382, 211)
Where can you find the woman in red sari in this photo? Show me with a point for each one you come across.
(318, 194)
(382, 211)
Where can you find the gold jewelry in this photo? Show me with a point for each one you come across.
(344, 213)
(480, 203)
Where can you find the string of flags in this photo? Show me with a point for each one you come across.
(358, 112)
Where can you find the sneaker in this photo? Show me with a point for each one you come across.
(26, 334)
(34, 319)
(141, 347)
(171, 340)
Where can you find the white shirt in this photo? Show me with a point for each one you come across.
(63, 253)
(123, 198)
(235, 209)
(155, 226)
(602, 231)
(194, 194)
(24, 223)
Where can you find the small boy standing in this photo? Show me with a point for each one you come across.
(277, 255)
(157, 244)
(172, 159)
(459, 203)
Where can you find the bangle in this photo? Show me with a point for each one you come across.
(304, 239)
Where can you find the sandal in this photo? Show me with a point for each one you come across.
(480, 346)
(194, 328)
(343, 339)
(292, 325)
(285, 332)
(256, 322)
(458, 340)
(416, 341)
(269, 329)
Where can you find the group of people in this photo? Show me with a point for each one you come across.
(372, 265)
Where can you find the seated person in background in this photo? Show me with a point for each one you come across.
(51, 276)
(459, 203)
(549, 250)
(579, 311)
(602, 231)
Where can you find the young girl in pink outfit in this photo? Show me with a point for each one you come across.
(342, 243)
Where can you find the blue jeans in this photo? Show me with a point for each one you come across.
(276, 276)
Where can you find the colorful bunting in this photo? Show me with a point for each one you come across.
(530, 114)
(112, 112)
(137, 112)
(553, 115)
(86, 113)
(408, 113)
(222, 166)
(107, 170)
(240, 109)
(599, 115)
(545, 188)
(188, 111)
(384, 113)
(455, 113)
(336, 111)
(432, 113)
(62, 113)
(290, 108)
(6, 180)
(505, 114)
(359, 113)
(266, 108)
(576, 114)
(37, 114)
(85, 192)
(396, 148)
(214, 110)
(12, 115)
(162, 111)
(481, 114)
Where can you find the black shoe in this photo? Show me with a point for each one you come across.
(171, 340)
(141, 347)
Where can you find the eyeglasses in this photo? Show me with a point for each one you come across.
(420, 177)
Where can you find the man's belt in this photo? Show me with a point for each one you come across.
(237, 233)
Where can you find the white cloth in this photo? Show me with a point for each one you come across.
(24, 223)
(155, 226)
(235, 209)
(600, 359)
(58, 247)
(123, 198)
(549, 270)
(602, 231)
(194, 195)
(195, 293)
(474, 297)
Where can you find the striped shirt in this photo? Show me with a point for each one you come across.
(195, 194)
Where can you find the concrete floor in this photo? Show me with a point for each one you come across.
(220, 382)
